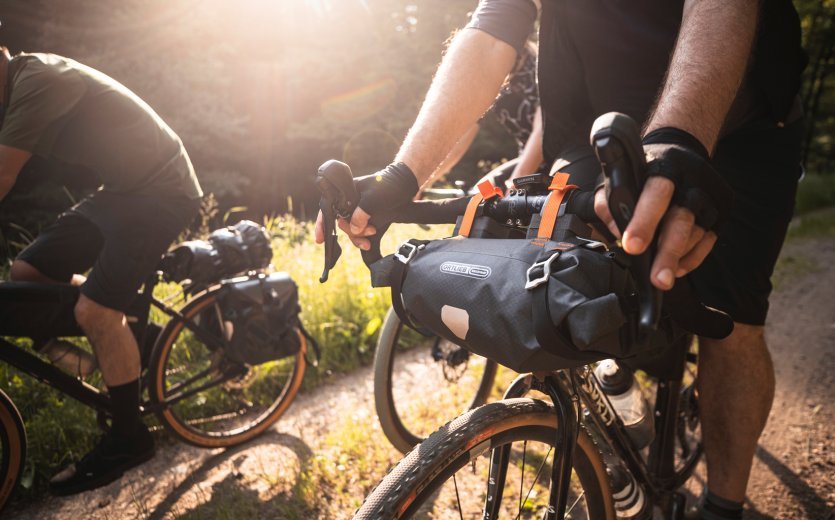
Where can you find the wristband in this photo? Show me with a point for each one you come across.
(671, 135)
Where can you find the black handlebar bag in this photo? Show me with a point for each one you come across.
(527, 304)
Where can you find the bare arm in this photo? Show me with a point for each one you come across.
(465, 86)
(705, 73)
(452, 158)
(531, 156)
(11, 161)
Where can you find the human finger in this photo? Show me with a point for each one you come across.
(672, 245)
(601, 208)
(319, 229)
(359, 220)
(652, 205)
(697, 254)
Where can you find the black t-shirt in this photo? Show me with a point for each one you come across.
(597, 56)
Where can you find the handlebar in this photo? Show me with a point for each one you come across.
(617, 144)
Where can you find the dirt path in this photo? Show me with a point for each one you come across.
(793, 476)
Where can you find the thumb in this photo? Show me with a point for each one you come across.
(359, 221)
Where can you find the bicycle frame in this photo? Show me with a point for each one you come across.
(46, 373)
(571, 391)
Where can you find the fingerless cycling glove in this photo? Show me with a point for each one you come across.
(677, 155)
(390, 187)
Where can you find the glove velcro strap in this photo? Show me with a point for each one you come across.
(698, 186)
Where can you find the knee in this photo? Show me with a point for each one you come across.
(93, 316)
(24, 272)
(744, 339)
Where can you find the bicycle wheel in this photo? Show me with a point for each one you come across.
(446, 476)
(210, 400)
(12, 448)
(417, 387)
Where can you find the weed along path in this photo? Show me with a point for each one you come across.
(326, 454)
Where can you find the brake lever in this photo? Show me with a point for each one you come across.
(617, 143)
(339, 199)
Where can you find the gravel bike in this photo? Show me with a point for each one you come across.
(198, 393)
(563, 452)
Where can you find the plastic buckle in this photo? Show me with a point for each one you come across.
(412, 251)
(546, 272)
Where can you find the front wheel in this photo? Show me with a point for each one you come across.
(421, 385)
(447, 476)
(207, 399)
(12, 448)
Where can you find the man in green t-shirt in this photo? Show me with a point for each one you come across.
(65, 112)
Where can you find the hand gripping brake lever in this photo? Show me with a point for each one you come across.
(339, 199)
(617, 144)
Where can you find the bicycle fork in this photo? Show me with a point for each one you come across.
(567, 408)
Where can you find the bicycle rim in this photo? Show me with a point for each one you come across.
(447, 475)
(12, 449)
(413, 392)
(210, 400)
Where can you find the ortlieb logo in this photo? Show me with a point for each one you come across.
(470, 270)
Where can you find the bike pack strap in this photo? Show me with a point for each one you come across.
(559, 188)
(544, 329)
(402, 257)
(486, 191)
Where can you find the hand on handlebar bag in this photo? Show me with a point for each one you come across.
(683, 194)
(379, 192)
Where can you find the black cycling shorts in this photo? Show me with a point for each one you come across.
(762, 165)
(120, 236)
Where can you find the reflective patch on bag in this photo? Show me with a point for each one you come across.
(457, 320)
(470, 270)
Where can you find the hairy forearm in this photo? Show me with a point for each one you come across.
(465, 86)
(532, 155)
(707, 67)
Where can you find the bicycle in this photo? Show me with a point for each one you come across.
(198, 393)
(584, 463)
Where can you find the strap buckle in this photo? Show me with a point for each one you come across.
(412, 251)
(545, 265)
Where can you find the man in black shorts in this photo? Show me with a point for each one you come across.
(714, 83)
(66, 112)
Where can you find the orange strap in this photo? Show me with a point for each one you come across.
(469, 215)
(486, 191)
(559, 188)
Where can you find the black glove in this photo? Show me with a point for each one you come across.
(680, 157)
(390, 187)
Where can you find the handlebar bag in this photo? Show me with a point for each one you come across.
(260, 318)
(527, 304)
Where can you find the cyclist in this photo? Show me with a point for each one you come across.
(715, 83)
(64, 111)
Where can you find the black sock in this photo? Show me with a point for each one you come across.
(718, 508)
(124, 401)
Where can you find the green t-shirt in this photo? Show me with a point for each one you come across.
(65, 111)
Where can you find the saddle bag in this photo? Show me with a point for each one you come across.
(261, 318)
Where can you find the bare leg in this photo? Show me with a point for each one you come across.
(736, 389)
(115, 347)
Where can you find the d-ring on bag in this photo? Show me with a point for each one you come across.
(554, 300)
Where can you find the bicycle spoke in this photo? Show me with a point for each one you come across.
(522, 480)
(536, 478)
(570, 509)
(457, 497)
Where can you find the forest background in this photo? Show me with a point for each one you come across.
(263, 91)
